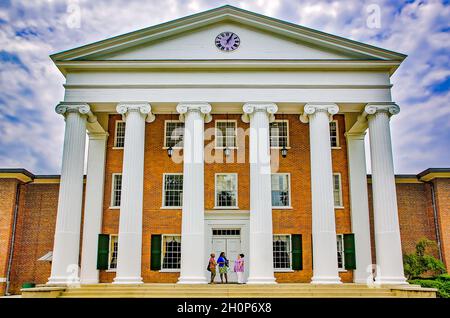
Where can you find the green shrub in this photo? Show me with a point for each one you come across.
(443, 287)
(444, 278)
(420, 262)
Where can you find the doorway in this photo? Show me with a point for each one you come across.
(228, 241)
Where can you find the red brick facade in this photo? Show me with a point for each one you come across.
(38, 204)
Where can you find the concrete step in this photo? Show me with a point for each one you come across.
(243, 291)
(206, 295)
(228, 291)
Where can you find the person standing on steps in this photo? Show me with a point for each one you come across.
(239, 268)
(212, 267)
(222, 261)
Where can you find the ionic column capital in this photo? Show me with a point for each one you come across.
(389, 108)
(312, 108)
(203, 108)
(142, 107)
(253, 107)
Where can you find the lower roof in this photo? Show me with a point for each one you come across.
(27, 177)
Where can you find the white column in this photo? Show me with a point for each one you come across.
(387, 229)
(325, 267)
(359, 205)
(130, 222)
(68, 219)
(93, 207)
(261, 235)
(193, 258)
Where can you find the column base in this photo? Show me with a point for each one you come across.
(391, 281)
(128, 280)
(63, 281)
(89, 281)
(192, 280)
(332, 280)
(363, 281)
(261, 280)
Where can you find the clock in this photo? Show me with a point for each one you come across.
(227, 41)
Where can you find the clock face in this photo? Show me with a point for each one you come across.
(227, 41)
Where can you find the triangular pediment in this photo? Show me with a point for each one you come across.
(192, 38)
(255, 43)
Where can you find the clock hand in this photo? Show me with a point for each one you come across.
(228, 40)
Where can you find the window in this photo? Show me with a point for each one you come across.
(279, 136)
(226, 232)
(174, 132)
(334, 136)
(282, 252)
(226, 133)
(340, 251)
(113, 247)
(171, 252)
(173, 190)
(226, 190)
(119, 136)
(280, 190)
(337, 190)
(116, 189)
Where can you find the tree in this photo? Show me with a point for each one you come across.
(421, 261)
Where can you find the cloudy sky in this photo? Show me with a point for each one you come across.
(31, 134)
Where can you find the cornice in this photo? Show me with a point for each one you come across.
(229, 64)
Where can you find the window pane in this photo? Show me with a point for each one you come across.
(333, 134)
(279, 134)
(113, 247)
(280, 190)
(120, 134)
(117, 189)
(226, 190)
(225, 134)
(171, 252)
(174, 134)
(173, 190)
(281, 252)
(340, 251)
(337, 190)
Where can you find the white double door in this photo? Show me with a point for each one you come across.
(232, 248)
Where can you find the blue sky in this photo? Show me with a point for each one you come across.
(31, 133)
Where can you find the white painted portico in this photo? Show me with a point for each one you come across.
(175, 68)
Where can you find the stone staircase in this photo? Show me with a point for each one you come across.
(228, 291)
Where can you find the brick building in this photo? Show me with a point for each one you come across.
(249, 139)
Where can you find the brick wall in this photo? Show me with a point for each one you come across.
(8, 189)
(34, 234)
(442, 188)
(163, 221)
(415, 215)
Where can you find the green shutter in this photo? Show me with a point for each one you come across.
(103, 251)
(155, 260)
(297, 252)
(349, 251)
